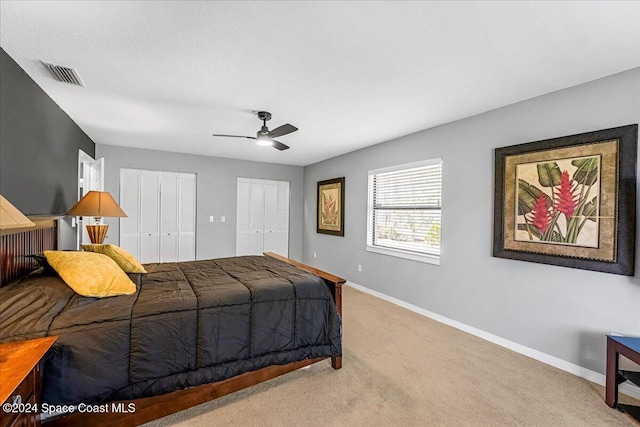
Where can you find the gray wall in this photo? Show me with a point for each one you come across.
(39, 146)
(216, 192)
(560, 311)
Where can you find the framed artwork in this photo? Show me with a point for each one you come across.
(331, 207)
(569, 201)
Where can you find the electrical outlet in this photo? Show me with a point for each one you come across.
(359, 268)
(315, 255)
(211, 218)
(222, 219)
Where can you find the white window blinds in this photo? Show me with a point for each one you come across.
(405, 210)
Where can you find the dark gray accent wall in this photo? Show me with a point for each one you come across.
(560, 311)
(39, 146)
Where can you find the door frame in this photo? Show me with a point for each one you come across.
(86, 164)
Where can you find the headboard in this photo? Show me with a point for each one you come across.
(15, 244)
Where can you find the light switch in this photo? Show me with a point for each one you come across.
(211, 218)
(222, 219)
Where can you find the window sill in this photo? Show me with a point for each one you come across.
(428, 259)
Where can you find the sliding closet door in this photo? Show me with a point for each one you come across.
(161, 215)
(187, 217)
(149, 216)
(262, 217)
(169, 217)
(282, 221)
(257, 216)
(270, 216)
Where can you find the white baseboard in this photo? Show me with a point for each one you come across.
(556, 362)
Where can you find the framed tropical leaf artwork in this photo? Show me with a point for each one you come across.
(331, 207)
(569, 201)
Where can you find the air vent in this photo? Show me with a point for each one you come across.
(64, 74)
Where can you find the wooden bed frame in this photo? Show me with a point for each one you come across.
(15, 244)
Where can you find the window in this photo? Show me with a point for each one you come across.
(405, 211)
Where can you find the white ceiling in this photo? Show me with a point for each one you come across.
(166, 75)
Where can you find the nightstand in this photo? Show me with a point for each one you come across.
(20, 381)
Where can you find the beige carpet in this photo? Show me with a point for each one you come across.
(402, 369)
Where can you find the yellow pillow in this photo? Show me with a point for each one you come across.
(124, 259)
(90, 274)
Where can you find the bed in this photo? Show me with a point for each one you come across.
(193, 331)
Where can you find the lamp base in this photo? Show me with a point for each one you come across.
(97, 233)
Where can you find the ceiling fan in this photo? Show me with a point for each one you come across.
(264, 136)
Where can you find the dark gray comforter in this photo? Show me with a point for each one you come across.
(189, 323)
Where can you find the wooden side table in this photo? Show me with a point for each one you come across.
(20, 381)
(629, 347)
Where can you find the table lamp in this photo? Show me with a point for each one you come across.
(97, 204)
(11, 217)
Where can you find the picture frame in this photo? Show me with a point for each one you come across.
(569, 201)
(330, 209)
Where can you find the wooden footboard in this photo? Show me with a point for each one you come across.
(335, 285)
(150, 408)
(334, 282)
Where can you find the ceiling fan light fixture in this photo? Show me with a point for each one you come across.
(265, 136)
(265, 140)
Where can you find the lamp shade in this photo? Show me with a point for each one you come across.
(97, 204)
(11, 217)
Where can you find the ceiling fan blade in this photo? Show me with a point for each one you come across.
(235, 136)
(282, 130)
(280, 146)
